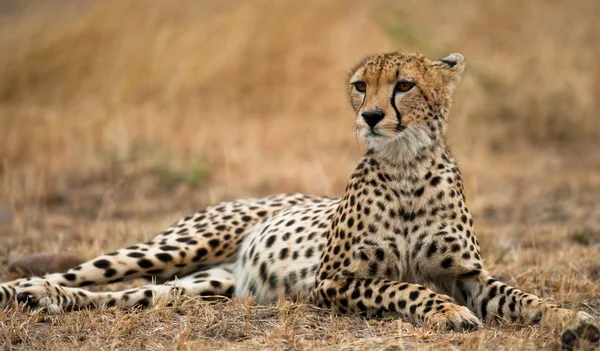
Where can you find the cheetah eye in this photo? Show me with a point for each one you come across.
(360, 86)
(404, 86)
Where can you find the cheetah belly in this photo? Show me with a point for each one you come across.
(279, 257)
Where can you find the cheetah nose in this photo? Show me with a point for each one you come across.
(372, 117)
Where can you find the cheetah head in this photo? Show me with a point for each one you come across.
(402, 100)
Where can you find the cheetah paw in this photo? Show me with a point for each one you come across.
(39, 293)
(453, 317)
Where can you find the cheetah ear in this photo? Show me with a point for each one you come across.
(451, 67)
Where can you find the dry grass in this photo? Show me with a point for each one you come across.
(117, 118)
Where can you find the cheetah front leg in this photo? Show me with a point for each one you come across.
(451, 261)
(492, 299)
(53, 298)
(414, 302)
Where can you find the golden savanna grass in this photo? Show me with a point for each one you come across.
(119, 117)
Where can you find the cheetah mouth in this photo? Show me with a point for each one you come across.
(373, 133)
(376, 133)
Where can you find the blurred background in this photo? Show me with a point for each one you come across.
(118, 117)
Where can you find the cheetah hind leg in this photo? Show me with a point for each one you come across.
(53, 298)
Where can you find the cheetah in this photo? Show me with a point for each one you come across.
(400, 241)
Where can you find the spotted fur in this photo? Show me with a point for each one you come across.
(400, 241)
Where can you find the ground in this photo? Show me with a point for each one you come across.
(117, 122)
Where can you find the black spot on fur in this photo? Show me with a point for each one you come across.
(70, 277)
(419, 191)
(432, 249)
(200, 254)
(270, 241)
(102, 264)
(447, 262)
(144, 303)
(164, 257)
(169, 248)
(145, 263)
